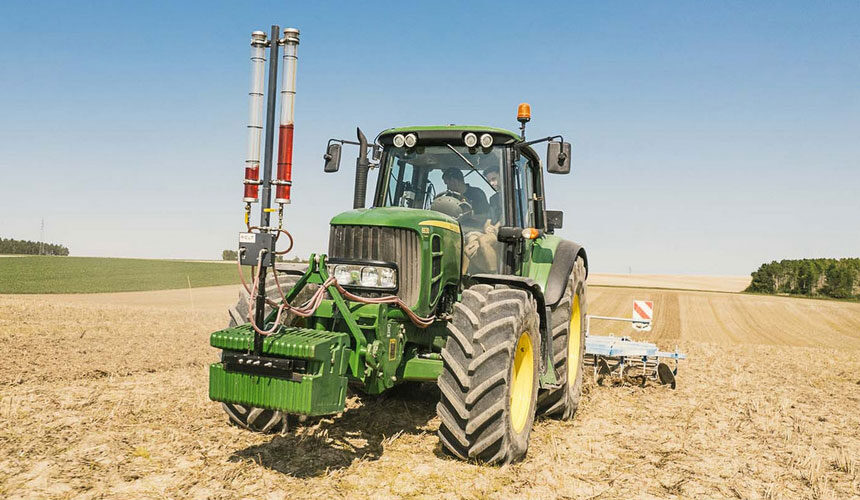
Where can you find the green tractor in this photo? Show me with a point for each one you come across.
(453, 274)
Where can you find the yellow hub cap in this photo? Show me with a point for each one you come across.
(522, 382)
(574, 337)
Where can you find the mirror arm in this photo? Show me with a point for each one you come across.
(343, 141)
(370, 164)
(536, 141)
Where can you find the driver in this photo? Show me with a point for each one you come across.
(453, 179)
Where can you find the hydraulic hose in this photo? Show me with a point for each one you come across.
(312, 304)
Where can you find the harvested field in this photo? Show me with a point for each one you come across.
(712, 283)
(105, 396)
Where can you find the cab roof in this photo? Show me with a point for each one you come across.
(449, 133)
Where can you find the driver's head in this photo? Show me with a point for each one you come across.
(453, 179)
(492, 175)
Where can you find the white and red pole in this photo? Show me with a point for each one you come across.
(255, 117)
(288, 98)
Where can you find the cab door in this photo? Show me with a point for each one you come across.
(524, 202)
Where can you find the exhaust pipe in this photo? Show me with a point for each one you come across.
(288, 98)
(362, 166)
(255, 117)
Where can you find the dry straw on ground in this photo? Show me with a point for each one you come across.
(105, 397)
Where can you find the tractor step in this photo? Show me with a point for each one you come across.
(301, 371)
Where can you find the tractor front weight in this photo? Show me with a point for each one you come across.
(304, 368)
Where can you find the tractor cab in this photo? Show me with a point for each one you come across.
(485, 180)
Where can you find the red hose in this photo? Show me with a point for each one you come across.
(312, 304)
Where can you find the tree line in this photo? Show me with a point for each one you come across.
(9, 246)
(836, 278)
(234, 255)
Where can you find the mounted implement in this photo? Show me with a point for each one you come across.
(630, 358)
(453, 274)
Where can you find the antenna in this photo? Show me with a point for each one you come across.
(42, 238)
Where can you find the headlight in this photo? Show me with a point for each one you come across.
(471, 140)
(399, 140)
(411, 140)
(486, 141)
(342, 275)
(369, 277)
(365, 276)
(387, 278)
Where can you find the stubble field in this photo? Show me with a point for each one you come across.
(105, 396)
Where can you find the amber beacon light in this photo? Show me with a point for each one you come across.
(524, 114)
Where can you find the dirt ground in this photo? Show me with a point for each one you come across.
(686, 282)
(105, 396)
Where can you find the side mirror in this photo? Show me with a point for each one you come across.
(554, 220)
(376, 153)
(332, 157)
(558, 157)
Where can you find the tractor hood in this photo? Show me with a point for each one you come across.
(410, 218)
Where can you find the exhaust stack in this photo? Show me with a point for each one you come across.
(255, 117)
(288, 97)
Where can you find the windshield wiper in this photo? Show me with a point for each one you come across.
(473, 167)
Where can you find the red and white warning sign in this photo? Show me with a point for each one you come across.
(643, 312)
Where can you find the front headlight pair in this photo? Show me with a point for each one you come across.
(367, 276)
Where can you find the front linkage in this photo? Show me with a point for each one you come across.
(303, 368)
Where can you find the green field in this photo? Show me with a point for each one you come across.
(96, 274)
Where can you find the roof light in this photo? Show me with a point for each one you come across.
(411, 140)
(524, 112)
(486, 140)
(399, 140)
(471, 140)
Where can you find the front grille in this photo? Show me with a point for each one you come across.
(389, 244)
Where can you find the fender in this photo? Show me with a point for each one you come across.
(562, 265)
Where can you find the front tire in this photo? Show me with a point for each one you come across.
(489, 382)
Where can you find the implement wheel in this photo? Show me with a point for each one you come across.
(249, 417)
(489, 382)
(568, 347)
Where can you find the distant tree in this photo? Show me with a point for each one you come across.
(229, 255)
(763, 280)
(840, 280)
(22, 247)
(837, 278)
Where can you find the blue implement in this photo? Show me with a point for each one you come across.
(613, 356)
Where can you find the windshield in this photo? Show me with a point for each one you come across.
(438, 178)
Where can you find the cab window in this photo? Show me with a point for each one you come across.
(524, 203)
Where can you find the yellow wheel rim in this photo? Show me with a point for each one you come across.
(522, 382)
(574, 337)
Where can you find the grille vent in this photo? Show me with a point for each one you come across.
(389, 244)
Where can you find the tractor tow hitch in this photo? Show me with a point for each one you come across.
(291, 369)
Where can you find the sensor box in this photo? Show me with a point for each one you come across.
(250, 246)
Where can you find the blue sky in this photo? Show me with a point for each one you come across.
(708, 137)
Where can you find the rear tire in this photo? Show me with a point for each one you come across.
(249, 417)
(568, 347)
(489, 382)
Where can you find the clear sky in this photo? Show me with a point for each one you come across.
(708, 137)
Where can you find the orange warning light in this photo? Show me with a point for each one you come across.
(524, 112)
(530, 233)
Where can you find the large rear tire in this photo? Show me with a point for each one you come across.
(489, 382)
(248, 417)
(568, 347)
